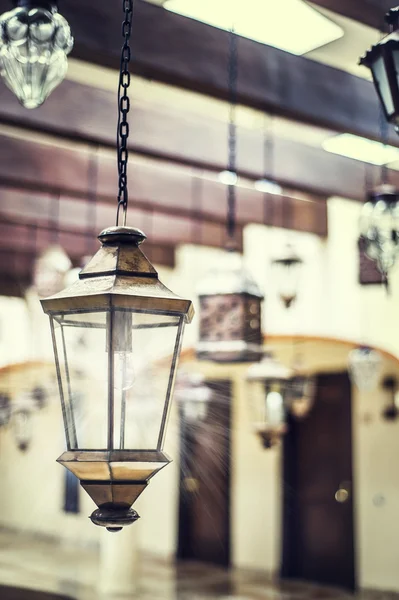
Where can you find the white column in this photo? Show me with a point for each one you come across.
(118, 564)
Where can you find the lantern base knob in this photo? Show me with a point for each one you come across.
(114, 517)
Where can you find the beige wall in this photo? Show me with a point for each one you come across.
(330, 303)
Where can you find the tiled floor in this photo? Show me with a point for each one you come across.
(35, 565)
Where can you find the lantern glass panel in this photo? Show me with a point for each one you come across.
(122, 374)
(381, 79)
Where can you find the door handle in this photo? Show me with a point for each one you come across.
(343, 493)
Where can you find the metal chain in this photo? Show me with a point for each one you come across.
(384, 131)
(92, 180)
(232, 136)
(123, 108)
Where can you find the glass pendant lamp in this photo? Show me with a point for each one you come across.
(364, 366)
(287, 270)
(268, 382)
(133, 328)
(34, 43)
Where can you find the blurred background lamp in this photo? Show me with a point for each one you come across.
(268, 383)
(287, 271)
(379, 227)
(230, 316)
(34, 43)
(300, 395)
(364, 366)
(383, 61)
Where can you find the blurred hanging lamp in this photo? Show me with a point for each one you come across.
(287, 268)
(268, 383)
(383, 61)
(135, 327)
(230, 300)
(22, 414)
(192, 396)
(364, 366)
(379, 227)
(34, 43)
(301, 387)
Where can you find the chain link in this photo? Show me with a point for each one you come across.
(123, 109)
(384, 132)
(232, 132)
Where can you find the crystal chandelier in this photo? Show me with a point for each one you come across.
(379, 227)
(364, 366)
(133, 327)
(34, 43)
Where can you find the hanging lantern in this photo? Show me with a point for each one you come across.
(287, 269)
(391, 411)
(383, 61)
(133, 329)
(5, 409)
(193, 397)
(364, 365)
(300, 395)
(268, 381)
(230, 316)
(130, 320)
(34, 43)
(379, 226)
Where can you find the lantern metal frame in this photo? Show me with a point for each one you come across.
(118, 278)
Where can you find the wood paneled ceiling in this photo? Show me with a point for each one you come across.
(178, 138)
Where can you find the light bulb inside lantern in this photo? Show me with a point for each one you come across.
(124, 372)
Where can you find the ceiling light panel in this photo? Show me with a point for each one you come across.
(353, 146)
(291, 25)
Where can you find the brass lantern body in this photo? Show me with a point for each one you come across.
(230, 317)
(133, 326)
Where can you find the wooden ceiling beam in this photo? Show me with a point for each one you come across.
(369, 12)
(21, 242)
(183, 52)
(155, 187)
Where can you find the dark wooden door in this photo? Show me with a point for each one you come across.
(204, 516)
(318, 539)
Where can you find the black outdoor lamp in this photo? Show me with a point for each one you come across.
(133, 327)
(383, 61)
(34, 43)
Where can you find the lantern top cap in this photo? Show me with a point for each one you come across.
(50, 5)
(113, 236)
(119, 276)
(229, 280)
